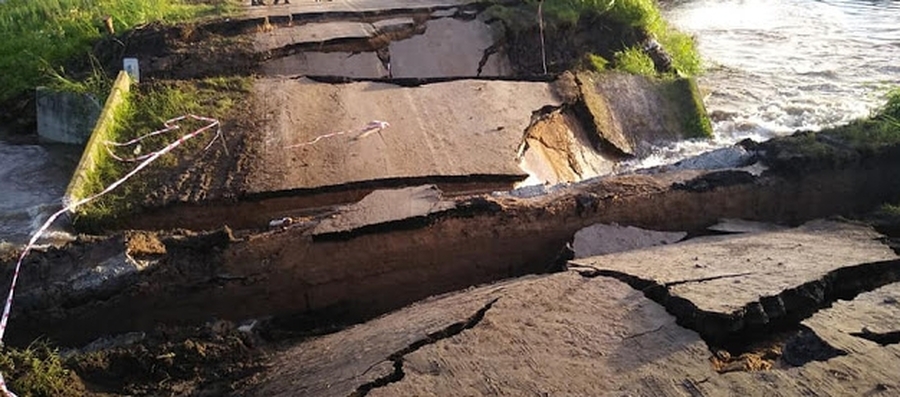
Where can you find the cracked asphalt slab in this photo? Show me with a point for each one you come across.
(429, 134)
(340, 364)
(346, 6)
(750, 266)
(867, 322)
(572, 333)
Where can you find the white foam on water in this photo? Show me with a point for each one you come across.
(775, 67)
(778, 66)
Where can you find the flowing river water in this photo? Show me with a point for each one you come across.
(777, 66)
(773, 67)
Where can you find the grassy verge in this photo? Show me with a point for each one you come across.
(146, 109)
(38, 371)
(633, 60)
(40, 36)
(645, 14)
(642, 15)
(866, 135)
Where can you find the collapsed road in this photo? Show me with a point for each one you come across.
(350, 228)
(342, 264)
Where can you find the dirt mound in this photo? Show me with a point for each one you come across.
(211, 360)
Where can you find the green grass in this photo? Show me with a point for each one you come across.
(889, 210)
(597, 62)
(882, 129)
(635, 61)
(642, 14)
(645, 14)
(638, 14)
(849, 143)
(40, 36)
(146, 109)
(38, 371)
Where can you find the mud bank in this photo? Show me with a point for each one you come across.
(345, 275)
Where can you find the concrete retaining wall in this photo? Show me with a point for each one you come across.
(94, 148)
(65, 117)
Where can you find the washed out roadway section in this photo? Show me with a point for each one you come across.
(459, 128)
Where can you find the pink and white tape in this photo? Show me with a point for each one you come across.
(145, 161)
(369, 129)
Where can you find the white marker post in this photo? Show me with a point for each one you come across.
(131, 67)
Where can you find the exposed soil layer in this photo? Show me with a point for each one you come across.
(214, 359)
(566, 45)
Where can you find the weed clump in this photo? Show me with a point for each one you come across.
(882, 129)
(635, 61)
(38, 371)
(853, 142)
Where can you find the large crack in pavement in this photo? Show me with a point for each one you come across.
(881, 338)
(421, 81)
(772, 317)
(397, 357)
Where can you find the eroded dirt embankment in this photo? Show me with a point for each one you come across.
(383, 264)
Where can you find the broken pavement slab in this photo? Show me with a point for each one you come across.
(311, 33)
(602, 239)
(430, 134)
(382, 207)
(310, 63)
(443, 47)
(347, 6)
(721, 286)
(632, 112)
(449, 47)
(337, 364)
(560, 334)
(619, 335)
(558, 150)
(861, 324)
